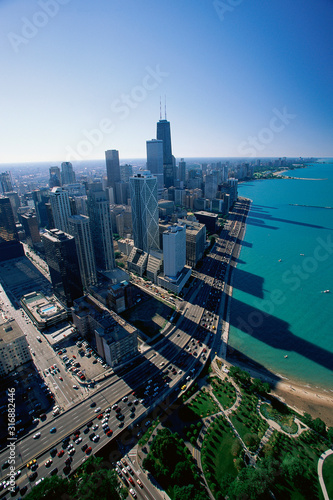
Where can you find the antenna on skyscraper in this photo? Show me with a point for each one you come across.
(165, 107)
(160, 109)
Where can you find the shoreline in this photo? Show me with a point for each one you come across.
(299, 395)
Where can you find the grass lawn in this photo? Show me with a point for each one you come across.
(286, 421)
(248, 424)
(203, 405)
(150, 316)
(328, 475)
(224, 392)
(220, 448)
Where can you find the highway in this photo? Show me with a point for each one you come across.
(187, 347)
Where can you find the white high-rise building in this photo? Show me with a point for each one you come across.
(61, 210)
(155, 161)
(79, 227)
(174, 250)
(143, 193)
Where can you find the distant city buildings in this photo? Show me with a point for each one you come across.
(67, 173)
(155, 161)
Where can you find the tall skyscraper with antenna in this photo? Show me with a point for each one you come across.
(164, 134)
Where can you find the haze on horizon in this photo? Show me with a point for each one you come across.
(240, 78)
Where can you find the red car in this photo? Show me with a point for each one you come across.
(109, 432)
(60, 453)
(88, 450)
(74, 356)
(100, 416)
(131, 480)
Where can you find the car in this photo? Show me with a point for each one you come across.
(32, 476)
(109, 432)
(39, 481)
(60, 378)
(114, 407)
(95, 438)
(53, 430)
(54, 471)
(92, 405)
(131, 480)
(17, 473)
(78, 441)
(84, 447)
(105, 425)
(132, 492)
(68, 460)
(66, 470)
(60, 453)
(35, 421)
(53, 452)
(75, 387)
(88, 450)
(125, 398)
(97, 410)
(139, 483)
(36, 436)
(71, 451)
(95, 427)
(100, 416)
(48, 462)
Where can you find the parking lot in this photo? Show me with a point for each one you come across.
(81, 361)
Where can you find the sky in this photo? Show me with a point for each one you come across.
(241, 78)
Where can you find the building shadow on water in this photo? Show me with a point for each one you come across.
(276, 333)
(248, 282)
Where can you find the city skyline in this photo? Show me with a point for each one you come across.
(240, 80)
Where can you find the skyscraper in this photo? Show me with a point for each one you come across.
(101, 226)
(67, 173)
(10, 247)
(174, 250)
(155, 161)
(163, 134)
(59, 200)
(55, 178)
(112, 167)
(182, 170)
(143, 192)
(6, 182)
(61, 257)
(79, 227)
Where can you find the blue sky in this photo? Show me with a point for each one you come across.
(241, 77)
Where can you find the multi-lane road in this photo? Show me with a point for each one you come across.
(184, 349)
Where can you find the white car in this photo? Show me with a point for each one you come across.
(37, 435)
(78, 441)
(95, 438)
(97, 410)
(132, 492)
(95, 427)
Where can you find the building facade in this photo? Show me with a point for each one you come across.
(61, 210)
(79, 227)
(143, 192)
(61, 257)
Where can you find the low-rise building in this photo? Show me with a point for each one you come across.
(116, 340)
(14, 348)
(43, 312)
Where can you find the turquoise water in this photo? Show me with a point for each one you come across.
(278, 307)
